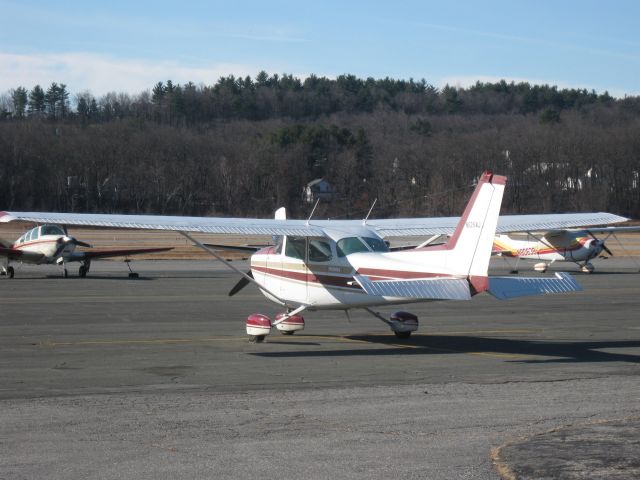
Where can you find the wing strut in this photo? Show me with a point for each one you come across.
(232, 267)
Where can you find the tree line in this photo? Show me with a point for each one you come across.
(245, 146)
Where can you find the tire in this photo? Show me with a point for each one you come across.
(10, 272)
(65, 273)
(256, 338)
(134, 275)
(82, 272)
(284, 332)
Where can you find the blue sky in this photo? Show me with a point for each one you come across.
(130, 45)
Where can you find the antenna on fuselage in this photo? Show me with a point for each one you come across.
(364, 222)
(314, 209)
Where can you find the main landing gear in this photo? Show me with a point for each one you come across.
(259, 326)
(8, 271)
(402, 324)
(587, 267)
(84, 269)
(132, 274)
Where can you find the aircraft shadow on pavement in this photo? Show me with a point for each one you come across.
(550, 351)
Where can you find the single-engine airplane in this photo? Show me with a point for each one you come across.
(346, 264)
(579, 246)
(50, 244)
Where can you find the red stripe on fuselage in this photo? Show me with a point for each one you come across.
(35, 242)
(331, 280)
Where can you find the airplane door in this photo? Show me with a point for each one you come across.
(294, 269)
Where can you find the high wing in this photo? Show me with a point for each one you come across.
(122, 252)
(613, 229)
(254, 226)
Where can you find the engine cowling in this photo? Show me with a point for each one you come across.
(258, 325)
(291, 324)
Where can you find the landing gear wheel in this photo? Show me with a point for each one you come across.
(588, 268)
(256, 338)
(285, 332)
(82, 272)
(134, 275)
(403, 335)
(10, 272)
(65, 273)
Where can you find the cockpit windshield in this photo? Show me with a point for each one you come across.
(51, 230)
(347, 246)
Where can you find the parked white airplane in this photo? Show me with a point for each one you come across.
(50, 244)
(342, 265)
(579, 246)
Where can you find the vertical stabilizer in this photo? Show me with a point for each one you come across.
(472, 240)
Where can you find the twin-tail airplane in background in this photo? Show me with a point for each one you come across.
(346, 264)
(51, 244)
(579, 246)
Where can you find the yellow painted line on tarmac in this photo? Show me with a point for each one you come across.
(338, 338)
(151, 341)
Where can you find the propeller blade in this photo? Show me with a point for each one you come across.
(243, 282)
(80, 243)
(606, 249)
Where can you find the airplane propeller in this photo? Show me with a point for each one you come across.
(243, 282)
(80, 243)
(601, 243)
(66, 240)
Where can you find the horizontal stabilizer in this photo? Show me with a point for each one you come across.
(505, 288)
(428, 288)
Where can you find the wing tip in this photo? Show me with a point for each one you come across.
(6, 217)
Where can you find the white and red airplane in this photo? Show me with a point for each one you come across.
(50, 244)
(579, 246)
(346, 264)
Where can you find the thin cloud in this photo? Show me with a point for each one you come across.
(101, 74)
(532, 41)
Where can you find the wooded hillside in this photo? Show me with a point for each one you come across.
(247, 146)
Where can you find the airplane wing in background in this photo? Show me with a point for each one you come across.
(403, 227)
(122, 252)
(10, 253)
(17, 254)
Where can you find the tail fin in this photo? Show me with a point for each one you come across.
(472, 240)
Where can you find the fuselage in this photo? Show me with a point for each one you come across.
(44, 244)
(571, 246)
(319, 272)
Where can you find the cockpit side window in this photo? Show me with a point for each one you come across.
(279, 240)
(319, 250)
(296, 247)
(376, 244)
(28, 236)
(349, 245)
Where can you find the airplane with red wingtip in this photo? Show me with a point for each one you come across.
(51, 244)
(347, 264)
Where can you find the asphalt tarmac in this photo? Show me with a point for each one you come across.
(107, 377)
